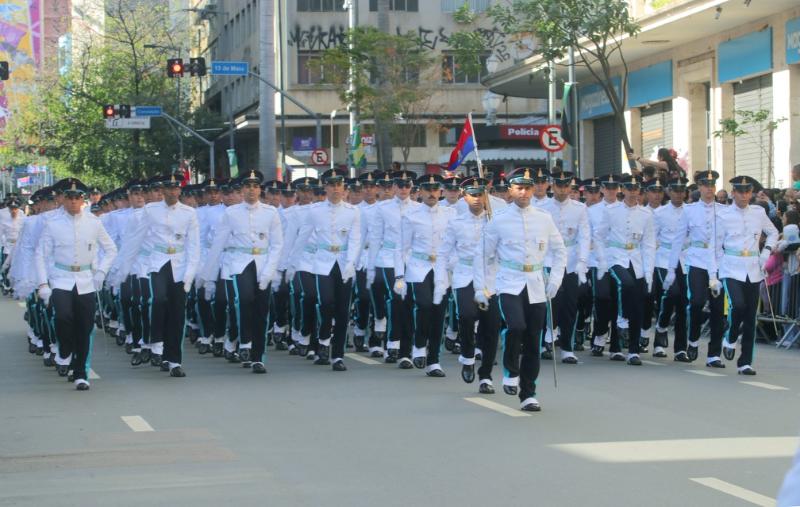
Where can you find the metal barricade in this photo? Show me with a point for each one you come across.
(784, 297)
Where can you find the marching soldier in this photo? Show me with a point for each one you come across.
(421, 233)
(333, 230)
(68, 278)
(519, 240)
(280, 313)
(741, 266)
(697, 229)
(363, 295)
(172, 232)
(626, 249)
(251, 238)
(208, 216)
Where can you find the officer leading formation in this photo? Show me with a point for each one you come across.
(394, 263)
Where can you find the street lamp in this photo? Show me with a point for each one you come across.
(491, 101)
(333, 116)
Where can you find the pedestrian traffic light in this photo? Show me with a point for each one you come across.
(175, 67)
(124, 111)
(197, 66)
(4, 71)
(108, 111)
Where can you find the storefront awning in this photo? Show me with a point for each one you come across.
(494, 154)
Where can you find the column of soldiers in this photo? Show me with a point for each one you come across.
(243, 264)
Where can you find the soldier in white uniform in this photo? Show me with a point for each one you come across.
(333, 229)
(363, 300)
(741, 267)
(572, 220)
(68, 278)
(697, 229)
(250, 236)
(172, 231)
(10, 226)
(626, 248)
(519, 239)
(280, 306)
(421, 232)
(208, 216)
(455, 261)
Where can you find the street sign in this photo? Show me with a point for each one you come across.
(143, 111)
(224, 68)
(551, 139)
(319, 157)
(129, 123)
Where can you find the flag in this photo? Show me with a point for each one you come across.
(358, 157)
(233, 163)
(464, 147)
(567, 114)
(23, 182)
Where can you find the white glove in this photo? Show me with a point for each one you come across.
(438, 294)
(289, 275)
(277, 279)
(114, 290)
(763, 258)
(264, 283)
(44, 294)
(669, 280)
(480, 298)
(370, 277)
(649, 281)
(551, 290)
(715, 286)
(400, 288)
(187, 286)
(348, 273)
(580, 270)
(210, 288)
(98, 278)
(601, 272)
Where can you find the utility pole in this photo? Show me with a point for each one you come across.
(573, 108)
(383, 125)
(352, 22)
(281, 68)
(266, 100)
(551, 107)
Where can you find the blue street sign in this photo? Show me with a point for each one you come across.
(230, 68)
(147, 111)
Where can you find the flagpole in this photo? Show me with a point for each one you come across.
(480, 165)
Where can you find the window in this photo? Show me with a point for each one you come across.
(449, 134)
(474, 5)
(452, 73)
(308, 69)
(396, 5)
(320, 6)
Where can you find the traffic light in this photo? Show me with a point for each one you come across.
(197, 66)
(175, 67)
(4, 70)
(124, 111)
(108, 111)
(112, 111)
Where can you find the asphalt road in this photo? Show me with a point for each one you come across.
(664, 434)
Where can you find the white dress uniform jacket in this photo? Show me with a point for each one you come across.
(572, 220)
(422, 231)
(385, 237)
(738, 233)
(626, 238)
(297, 259)
(696, 227)
(595, 213)
(333, 231)
(666, 220)
(246, 233)
(67, 249)
(458, 251)
(367, 222)
(519, 239)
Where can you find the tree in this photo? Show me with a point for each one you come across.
(393, 76)
(751, 127)
(595, 29)
(113, 68)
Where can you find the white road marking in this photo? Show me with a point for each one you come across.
(21, 304)
(652, 363)
(734, 490)
(361, 359)
(706, 373)
(695, 449)
(764, 385)
(136, 423)
(93, 375)
(497, 407)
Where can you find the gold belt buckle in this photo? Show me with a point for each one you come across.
(335, 248)
(628, 246)
(527, 268)
(432, 258)
(745, 253)
(171, 250)
(256, 251)
(75, 269)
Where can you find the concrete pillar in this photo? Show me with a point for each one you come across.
(722, 155)
(782, 137)
(587, 149)
(630, 115)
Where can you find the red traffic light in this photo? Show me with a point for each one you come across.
(175, 67)
(108, 111)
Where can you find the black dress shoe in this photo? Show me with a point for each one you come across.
(547, 354)
(218, 349)
(510, 390)
(48, 362)
(244, 355)
(643, 350)
(302, 350)
(691, 353)
(177, 372)
(322, 361)
(456, 348)
(747, 371)
(204, 348)
(120, 340)
(62, 370)
(405, 364)
(82, 387)
(232, 357)
(570, 360)
(247, 364)
(532, 406)
(281, 345)
(164, 366)
(391, 356)
(728, 353)
(70, 376)
(716, 364)
(32, 348)
(129, 348)
(312, 356)
(136, 359)
(39, 351)
(293, 351)
(468, 373)
(486, 389)
(419, 362)
(435, 373)
(359, 343)
(579, 347)
(339, 366)
(597, 351)
(616, 356)
(634, 361)
(259, 368)
(155, 359)
(682, 357)
(376, 353)
(448, 344)
(478, 356)
(659, 353)
(146, 355)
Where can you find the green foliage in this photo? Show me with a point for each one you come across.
(747, 120)
(464, 15)
(657, 4)
(65, 119)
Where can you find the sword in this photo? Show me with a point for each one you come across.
(552, 331)
(102, 320)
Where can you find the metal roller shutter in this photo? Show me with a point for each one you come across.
(750, 159)
(656, 128)
(607, 147)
